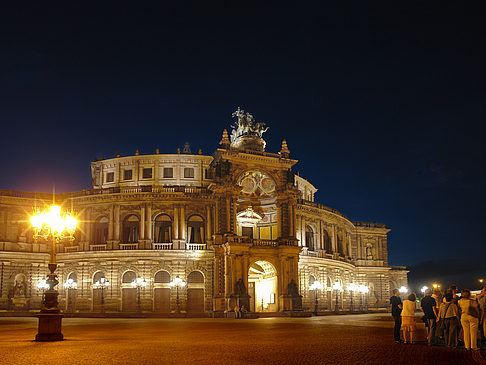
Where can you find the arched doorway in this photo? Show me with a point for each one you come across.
(262, 287)
(129, 294)
(163, 229)
(162, 292)
(195, 292)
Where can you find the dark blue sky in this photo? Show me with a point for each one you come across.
(382, 104)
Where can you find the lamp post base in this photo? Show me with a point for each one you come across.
(49, 327)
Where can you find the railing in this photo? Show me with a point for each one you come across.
(369, 225)
(268, 243)
(97, 247)
(113, 190)
(320, 206)
(262, 242)
(128, 246)
(195, 246)
(162, 246)
(71, 248)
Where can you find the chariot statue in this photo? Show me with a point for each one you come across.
(247, 133)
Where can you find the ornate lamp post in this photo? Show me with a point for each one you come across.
(177, 282)
(337, 287)
(139, 283)
(70, 285)
(351, 289)
(101, 285)
(363, 289)
(316, 285)
(50, 225)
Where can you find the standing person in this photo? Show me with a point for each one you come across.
(469, 319)
(409, 326)
(396, 309)
(482, 321)
(237, 311)
(429, 307)
(449, 314)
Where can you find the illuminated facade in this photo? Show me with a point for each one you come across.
(239, 227)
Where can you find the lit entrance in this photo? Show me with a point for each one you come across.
(262, 287)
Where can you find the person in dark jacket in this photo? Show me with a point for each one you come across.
(429, 307)
(396, 309)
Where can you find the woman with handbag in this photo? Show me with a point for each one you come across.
(469, 319)
(449, 320)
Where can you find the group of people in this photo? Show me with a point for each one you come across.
(240, 312)
(448, 317)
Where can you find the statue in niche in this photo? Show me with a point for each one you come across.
(19, 288)
(292, 288)
(240, 287)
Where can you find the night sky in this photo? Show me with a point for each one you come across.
(383, 104)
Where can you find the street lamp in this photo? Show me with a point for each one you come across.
(101, 285)
(70, 285)
(52, 226)
(403, 290)
(363, 289)
(337, 287)
(177, 282)
(316, 285)
(139, 283)
(424, 289)
(351, 289)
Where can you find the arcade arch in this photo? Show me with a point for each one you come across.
(262, 287)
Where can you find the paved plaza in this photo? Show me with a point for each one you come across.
(343, 339)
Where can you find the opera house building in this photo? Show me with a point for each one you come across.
(203, 234)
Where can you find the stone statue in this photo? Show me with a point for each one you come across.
(292, 288)
(19, 289)
(240, 287)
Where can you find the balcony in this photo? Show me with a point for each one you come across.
(195, 246)
(162, 246)
(98, 247)
(128, 246)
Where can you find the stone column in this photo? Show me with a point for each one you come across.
(110, 223)
(228, 214)
(117, 222)
(176, 223)
(142, 222)
(149, 231)
(333, 238)
(208, 224)
(183, 223)
(88, 225)
(279, 220)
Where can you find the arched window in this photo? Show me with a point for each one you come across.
(130, 229)
(195, 229)
(98, 276)
(73, 276)
(162, 277)
(326, 241)
(128, 277)
(101, 231)
(311, 280)
(195, 277)
(163, 229)
(309, 238)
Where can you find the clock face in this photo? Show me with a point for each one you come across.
(255, 182)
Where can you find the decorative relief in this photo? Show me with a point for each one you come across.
(256, 183)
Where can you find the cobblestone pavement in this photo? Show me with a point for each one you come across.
(350, 339)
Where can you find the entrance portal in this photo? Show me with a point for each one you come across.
(262, 285)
